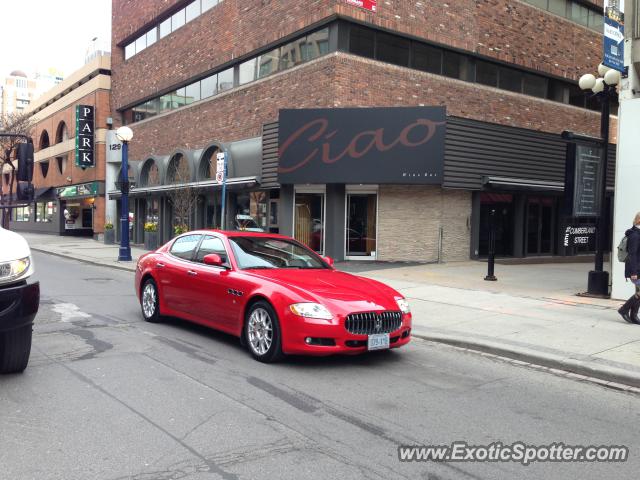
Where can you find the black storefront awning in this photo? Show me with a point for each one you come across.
(238, 182)
(526, 184)
(46, 193)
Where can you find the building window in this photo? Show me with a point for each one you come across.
(44, 212)
(455, 65)
(248, 71)
(510, 79)
(209, 86)
(534, 85)
(165, 28)
(21, 214)
(392, 49)
(588, 16)
(192, 10)
(487, 73)
(362, 41)
(171, 24)
(427, 58)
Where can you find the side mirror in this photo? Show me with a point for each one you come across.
(329, 260)
(213, 259)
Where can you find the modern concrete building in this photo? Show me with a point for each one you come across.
(196, 78)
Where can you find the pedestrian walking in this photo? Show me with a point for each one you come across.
(629, 311)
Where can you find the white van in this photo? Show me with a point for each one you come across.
(19, 301)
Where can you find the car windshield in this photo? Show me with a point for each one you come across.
(270, 252)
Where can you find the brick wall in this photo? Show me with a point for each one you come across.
(508, 30)
(343, 80)
(419, 212)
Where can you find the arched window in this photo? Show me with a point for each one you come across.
(62, 164)
(62, 133)
(44, 140)
(44, 168)
(178, 171)
(207, 166)
(150, 175)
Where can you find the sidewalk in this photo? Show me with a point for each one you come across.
(530, 314)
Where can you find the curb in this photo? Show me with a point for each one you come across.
(574, 366)
(90, 262)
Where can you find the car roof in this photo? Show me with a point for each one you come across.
(240, 233)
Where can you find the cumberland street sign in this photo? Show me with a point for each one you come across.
(85, 139)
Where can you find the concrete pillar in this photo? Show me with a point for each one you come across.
(334, 222)
(285, 215)
(627, 200)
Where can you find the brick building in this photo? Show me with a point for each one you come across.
(69, 198)
(193, 79)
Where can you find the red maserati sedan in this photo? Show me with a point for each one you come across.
(274, 293)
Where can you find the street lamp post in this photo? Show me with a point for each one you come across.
(604, 88)
(124, 134)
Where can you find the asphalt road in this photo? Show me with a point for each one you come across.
(108, 396)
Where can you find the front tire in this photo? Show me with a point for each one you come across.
(15, 348)
(150, 301)
(262, 333)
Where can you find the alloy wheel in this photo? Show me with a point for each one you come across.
(260, 331)
(149, 300)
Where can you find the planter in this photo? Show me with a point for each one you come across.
(150, 240)
(110, 237)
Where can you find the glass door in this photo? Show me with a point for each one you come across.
(309, 220)
(541, 213)
(362, 212)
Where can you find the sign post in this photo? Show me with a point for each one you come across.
(221, 177)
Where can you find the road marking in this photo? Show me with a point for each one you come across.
(68, 311)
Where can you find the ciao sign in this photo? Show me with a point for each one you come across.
(85, 136)
(362, 145)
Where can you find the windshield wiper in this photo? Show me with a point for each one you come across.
(259, 267)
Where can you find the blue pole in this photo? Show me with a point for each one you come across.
(124, 254)
(223, 222)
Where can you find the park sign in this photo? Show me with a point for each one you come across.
(614, 34)
(85, 138)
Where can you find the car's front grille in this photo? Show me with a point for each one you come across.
(368, 323)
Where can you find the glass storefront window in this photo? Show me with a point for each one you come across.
(21, 214)
(44, 212)
(361, 225)
(309, 220)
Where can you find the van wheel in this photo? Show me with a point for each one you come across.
(15, 347)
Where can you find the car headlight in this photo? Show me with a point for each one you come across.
(311, 310)
(14, 269)
(403, 305)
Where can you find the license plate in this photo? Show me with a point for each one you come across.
(378, 342)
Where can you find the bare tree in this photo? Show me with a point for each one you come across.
(182, 198)
(19, 124)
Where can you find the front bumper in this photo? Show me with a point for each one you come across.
(18, 305)
(296, 329)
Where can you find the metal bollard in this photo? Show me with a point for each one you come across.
(492, 248)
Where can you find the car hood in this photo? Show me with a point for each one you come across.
(14, 246)
(341, 292)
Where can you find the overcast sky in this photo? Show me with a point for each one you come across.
(37, 35)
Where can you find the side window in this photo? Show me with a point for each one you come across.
(212, 245)
(185, 246)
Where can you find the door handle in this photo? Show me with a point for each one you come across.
(160, 265)
(193, 273)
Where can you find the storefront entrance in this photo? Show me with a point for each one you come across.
(361, 218)
(308, 222)
(503, 207)
(541, 221)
